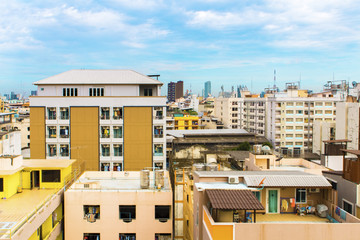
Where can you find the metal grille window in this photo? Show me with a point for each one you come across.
(117, 131)
(64, 150)
(117, 113)
(64, 113)
(118, 150)
(105, 150)
(127, 212)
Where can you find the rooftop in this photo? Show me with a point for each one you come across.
(17, 208)
(355, 152)
(93, 76)
(117, 181)
(206, 132)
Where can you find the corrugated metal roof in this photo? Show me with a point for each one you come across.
(92, 76)
(204, 132)
(313, 181)
(233, 199)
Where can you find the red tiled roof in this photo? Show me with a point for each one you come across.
(227, 199)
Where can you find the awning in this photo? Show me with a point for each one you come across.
(233, 199)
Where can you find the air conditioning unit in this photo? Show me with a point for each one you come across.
(314, 190)
(233, 180)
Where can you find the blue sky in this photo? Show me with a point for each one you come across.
(226, 42)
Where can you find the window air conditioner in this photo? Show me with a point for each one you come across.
(233, 180)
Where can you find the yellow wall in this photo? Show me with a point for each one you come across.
(138, 149)
(11, 184)
(302, 93)
(186, 121)
(218, 232)
(47, 226)
(84, 132)
(37, 132)
(34, 236)
(26, 179)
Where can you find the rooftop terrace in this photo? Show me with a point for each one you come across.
(116, 181)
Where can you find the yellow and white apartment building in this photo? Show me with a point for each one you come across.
(31, 193)
(112, 120)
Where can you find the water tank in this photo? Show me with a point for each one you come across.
(199, 167)
(211, 167)
(257, 149)
(159, 178)
(265, 149)
(144, 179)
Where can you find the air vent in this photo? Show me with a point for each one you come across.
(86, 185)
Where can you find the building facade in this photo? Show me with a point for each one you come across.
(112, 120)
(117, 205)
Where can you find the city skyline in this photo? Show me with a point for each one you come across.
(223, 42)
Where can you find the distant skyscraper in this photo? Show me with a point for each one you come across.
(175, 90)
(207, 89)
(179, 89)
(171, 92)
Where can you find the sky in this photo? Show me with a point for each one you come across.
(226, 42)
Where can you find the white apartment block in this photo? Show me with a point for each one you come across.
(111, 119)
(242, 113)
(290, 121)
(229, 112)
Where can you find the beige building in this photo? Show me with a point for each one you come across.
(119, 205)
(111, 119)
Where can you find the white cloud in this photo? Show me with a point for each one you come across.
(20, 21)
(140, 4)
(295, 23)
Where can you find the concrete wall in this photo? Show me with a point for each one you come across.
(346, 190)
(109, 225)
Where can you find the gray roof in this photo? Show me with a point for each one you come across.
(204, 132)
(272, 178)
(247, 173)
(93, 76)
(313, 181)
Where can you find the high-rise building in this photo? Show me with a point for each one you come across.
(110, 119)
(171, 92)
(175, 90)
(207, 89)
(179, 89)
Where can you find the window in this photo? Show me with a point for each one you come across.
(96, 92)
(257, 195)
(158, 131)
(51, 131)
(158, 113)
(105, 167)
(162, 236)
(1, 184)
(105, 150)
(158, 150)
(127, 236)
(91, 212)
(91, 236)
(118, 150)
(117, 130)
(127, 212)
(300, 195)
(117, 113)
(64, 113)
(52, 150)
(50, 176)
(347, 206)
(64, 131)
(51, 113)
(64, 150)
(105, 132)
(105, 113)
(70, 92)
(162, 213)
(117, 167)
(147, 92)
